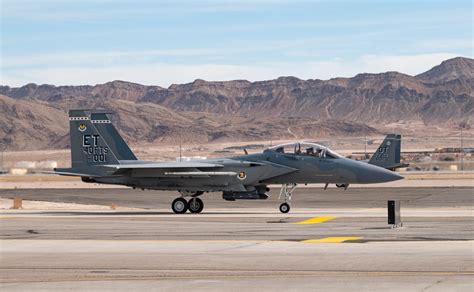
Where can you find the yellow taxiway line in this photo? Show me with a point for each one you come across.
(332, 239)
(316, 220)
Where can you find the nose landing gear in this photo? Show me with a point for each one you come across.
(345, 186)
(286, 190)
(285, 207)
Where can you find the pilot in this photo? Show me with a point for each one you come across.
(279, 150)
(298, 150)
(319, 152)
(310, 151)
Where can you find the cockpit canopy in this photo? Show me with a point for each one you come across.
(305, 148)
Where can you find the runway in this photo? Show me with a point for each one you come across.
(303, 197)
(344, 243)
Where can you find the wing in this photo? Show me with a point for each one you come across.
(200, 173)
(182, 169)
(164, 165)
(187, 168)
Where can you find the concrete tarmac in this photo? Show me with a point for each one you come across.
(302, 197)
(346, 243)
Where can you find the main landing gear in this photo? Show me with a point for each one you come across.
(286, 191)
(194, 205)
(179, 206)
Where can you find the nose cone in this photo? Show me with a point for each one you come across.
(373, 174)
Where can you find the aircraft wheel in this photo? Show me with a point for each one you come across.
(195, 205)
(285, 208)
(179, 206)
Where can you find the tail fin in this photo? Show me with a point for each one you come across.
(95, 141)
(112, 136)
(387, 154)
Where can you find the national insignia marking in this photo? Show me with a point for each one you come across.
(82, 127)
(242, 175)
(389, 143)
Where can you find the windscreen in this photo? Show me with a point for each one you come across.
(305, 148)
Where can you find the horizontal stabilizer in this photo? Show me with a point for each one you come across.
(67, 173)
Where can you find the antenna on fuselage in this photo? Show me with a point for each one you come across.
(180, 150)
(365, 147)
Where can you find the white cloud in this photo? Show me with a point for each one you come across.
(164, 74)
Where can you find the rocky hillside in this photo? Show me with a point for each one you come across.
(34, 116)
(457, 68)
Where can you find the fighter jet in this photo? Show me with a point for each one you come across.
(100, 155)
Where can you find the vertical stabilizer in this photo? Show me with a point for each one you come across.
(387, 154)
(110, 134)
(88, 146)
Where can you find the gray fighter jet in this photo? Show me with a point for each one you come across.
(100, 155)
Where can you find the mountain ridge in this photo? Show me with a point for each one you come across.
(440, 96)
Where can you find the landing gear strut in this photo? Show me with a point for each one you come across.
(194, 205)
(286, 190)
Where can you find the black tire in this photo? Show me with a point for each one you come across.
(195, 205)
(285, 208)
(179, 206)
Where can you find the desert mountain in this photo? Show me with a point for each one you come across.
(457, 68)
(34, 116)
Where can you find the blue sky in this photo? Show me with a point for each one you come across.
(164, 42)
